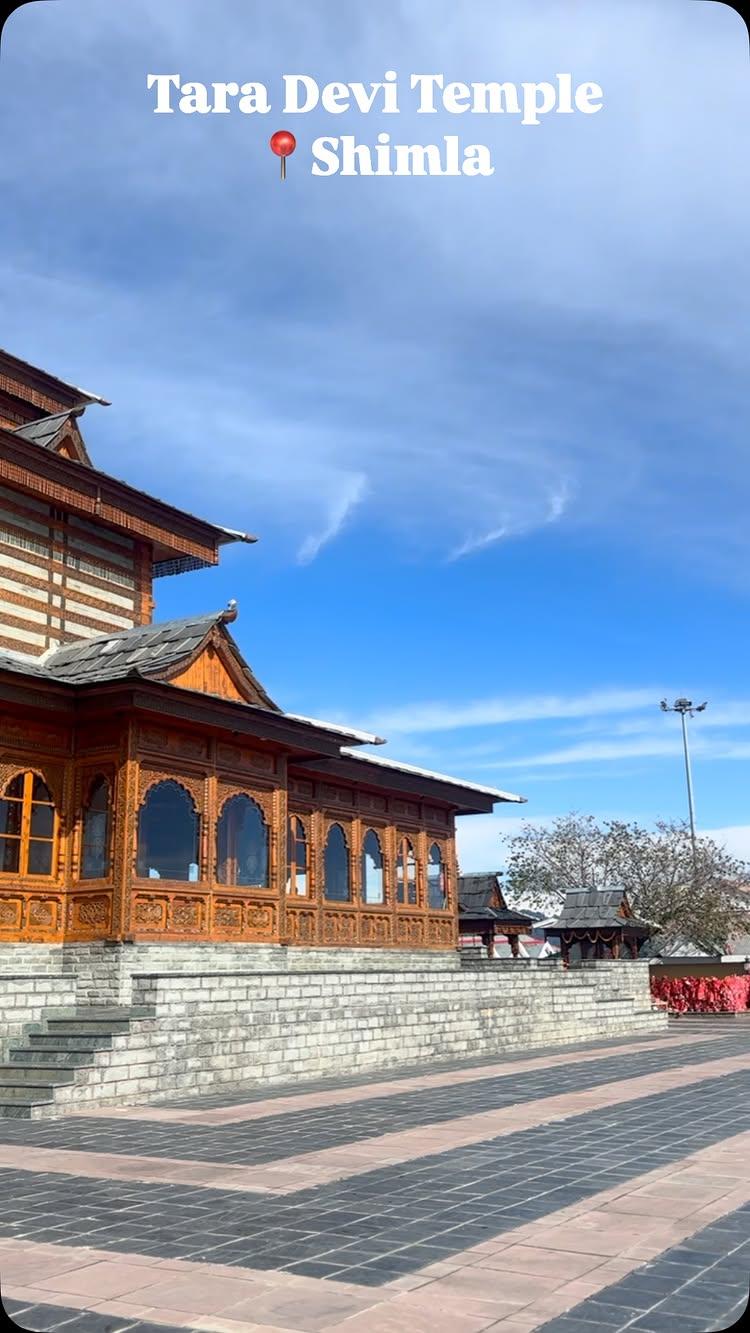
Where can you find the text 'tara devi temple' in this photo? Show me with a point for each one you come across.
(149, 787)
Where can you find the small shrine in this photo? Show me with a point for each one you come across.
(598, 923)
(483, 913)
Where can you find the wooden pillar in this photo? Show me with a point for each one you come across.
(513, 942)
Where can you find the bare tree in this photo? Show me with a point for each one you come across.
(698, 899)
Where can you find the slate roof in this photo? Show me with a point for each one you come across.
(676, 947)
(146, 652)
(475, 894)
(132, 652)
(44, 431)
(585, 909)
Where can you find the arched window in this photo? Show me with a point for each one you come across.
(28, 827)
(168, 834)
(436, 896)
(336, 866)
(95, 842)
(242, 844)
(296, 857)
(372, 869)
(406, 874)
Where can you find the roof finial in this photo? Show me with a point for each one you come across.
(230, 612)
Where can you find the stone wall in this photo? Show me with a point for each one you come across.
(26, 996)
(103, 971)
(214, 1031)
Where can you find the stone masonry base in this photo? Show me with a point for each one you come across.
(221, 1017)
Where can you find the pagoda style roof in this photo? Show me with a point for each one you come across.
(33, 377)
(679, 948)
(596, 909)
(149, 651)
(29, 458)
(480, 897)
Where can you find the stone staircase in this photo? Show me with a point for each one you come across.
(51, 1051)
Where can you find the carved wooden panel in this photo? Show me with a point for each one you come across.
(149, 912)
(302, 924)
(89, 914)
(409, 809)
(410, 931)
(369, 801)
(375, 928)
(29, 735)
(329, 794)
(187, 915)
(11, 914)
(237, 757)
(339, 927)
(441, 931)
(261, 921)
(164, 740)
(227, 916)
(434, 815)
(194, 784)
(301, 787)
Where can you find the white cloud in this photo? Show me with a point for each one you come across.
(734, 837)
(479, 838)
(446, 716)
(555, 507)
(486, 390)
(341, 510)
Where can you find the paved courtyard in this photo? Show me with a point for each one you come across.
(598, 1187)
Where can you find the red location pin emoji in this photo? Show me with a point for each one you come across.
(283, 144)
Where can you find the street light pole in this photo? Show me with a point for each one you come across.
(686, 708)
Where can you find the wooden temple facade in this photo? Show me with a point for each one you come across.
(150, 788)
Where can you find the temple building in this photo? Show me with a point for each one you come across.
(150, 788)
(597, 924)
(484, 915)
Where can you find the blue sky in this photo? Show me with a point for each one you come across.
(492, 432)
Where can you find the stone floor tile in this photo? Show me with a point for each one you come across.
(102, 1279)
(308, 1311)
(541, 1262)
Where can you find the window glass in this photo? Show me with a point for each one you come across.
(372, 869)
(40, 858)
(296, 854)
(42, 821)
(168, 834)
(96, 829)
(27, 827)
(10, 817)
(40, 791)
(10, 854)
(242, 844)
(336, 866)
(435, 879)
(406, 874)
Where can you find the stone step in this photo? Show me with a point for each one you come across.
(25, 1092)
(67, 1027)
(50, 1055)
(16, 1110)
(68, 1041)
(34, 1074)
(105, 1012)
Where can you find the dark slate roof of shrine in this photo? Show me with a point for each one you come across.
(475, 894)
(587, 908)
(678, 947)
